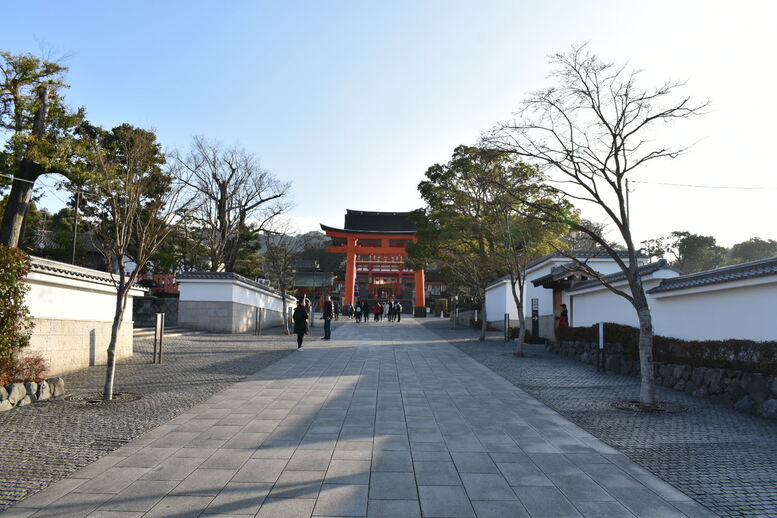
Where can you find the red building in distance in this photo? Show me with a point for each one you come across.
(374, 248)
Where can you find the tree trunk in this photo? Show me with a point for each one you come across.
(15, 211)
(484, 321)
(647, 389)
(521, 331)
(521, 317)
(285, 310)
(121, 302)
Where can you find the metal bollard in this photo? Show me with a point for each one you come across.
(159, 336)
(507, 327)
(600, 347)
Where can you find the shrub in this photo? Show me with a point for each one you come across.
(744, 355)
(15, 321)
(512, 334)
(21, 369)
(440, 307)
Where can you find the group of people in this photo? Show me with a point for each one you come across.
(302, 317)
(390, 310)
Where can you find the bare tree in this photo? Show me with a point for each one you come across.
(232, 189)
(282, 249)
(590, 131)
(134, 207)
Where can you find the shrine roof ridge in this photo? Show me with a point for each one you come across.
(375, 232)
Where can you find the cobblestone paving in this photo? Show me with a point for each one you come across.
(44, 442)
(385, 420)
(725, 459)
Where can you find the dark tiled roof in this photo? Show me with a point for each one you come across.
(736, 272)
(225, 276)
(619, 276)
(562, 270)
(583, 254)
(313, 279)
(378, 221)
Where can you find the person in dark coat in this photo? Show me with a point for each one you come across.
(300, 318)
(329, 314)
(398, 311)
(563, 318)
(366, 311)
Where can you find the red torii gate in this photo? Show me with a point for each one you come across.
(380, 253)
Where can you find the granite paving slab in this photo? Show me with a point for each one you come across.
(386, 419)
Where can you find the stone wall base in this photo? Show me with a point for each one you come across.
(225, 317)
(746, 391)
(69, 345)
(144, 310)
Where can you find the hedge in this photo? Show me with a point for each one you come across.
(745, 355)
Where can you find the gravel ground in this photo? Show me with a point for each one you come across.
(725, 459)
(44, 442)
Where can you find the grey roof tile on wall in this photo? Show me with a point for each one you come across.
(647, 269)
(583, 254)
(39, 264)
(225, 276)
(736, 272)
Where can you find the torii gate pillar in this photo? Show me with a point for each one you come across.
(350, 271)
(420, 294)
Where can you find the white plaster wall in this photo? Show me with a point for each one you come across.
(210, 290)
(545, 296)
(499, 300)
(73, 317)
(228, 290)
(743, 312)
(602, 305)
(60, 297)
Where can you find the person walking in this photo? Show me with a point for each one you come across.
(398, 311)
(329, 313)
(365, 311)
(337, 310)
(391, 311)
(300, 318)
(357, 311)
(309, 309)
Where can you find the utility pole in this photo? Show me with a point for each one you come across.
(75, 226)
(628, 212)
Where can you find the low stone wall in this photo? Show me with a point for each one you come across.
(225, 302)
(144, 310)
(746, 391)
(69, 345)
(20, 394)
(225, 317)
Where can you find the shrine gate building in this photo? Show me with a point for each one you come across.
(374, 248)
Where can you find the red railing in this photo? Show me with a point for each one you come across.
(165, 282)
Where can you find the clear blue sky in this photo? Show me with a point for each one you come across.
(352, 101)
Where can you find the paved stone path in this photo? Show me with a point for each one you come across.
(385, 420)
(45, 442)
(725, 459)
